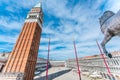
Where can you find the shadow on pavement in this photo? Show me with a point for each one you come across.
(54, 75)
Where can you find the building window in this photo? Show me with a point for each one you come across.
(33, 16)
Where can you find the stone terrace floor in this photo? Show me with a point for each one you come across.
(61, 73)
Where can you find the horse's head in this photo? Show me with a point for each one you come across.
(106, 15)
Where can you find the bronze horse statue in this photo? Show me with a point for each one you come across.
(110, 27)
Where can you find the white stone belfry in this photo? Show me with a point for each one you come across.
(36, 14)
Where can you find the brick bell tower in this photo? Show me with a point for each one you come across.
(24, 55)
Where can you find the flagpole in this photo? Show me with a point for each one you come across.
(79, 73)
(105, 62)
(47, 60)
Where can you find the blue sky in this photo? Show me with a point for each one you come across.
(63, 21)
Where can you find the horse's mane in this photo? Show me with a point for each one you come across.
(106, 15)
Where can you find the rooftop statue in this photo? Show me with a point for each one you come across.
(110, 27)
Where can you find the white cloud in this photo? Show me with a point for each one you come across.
(113, 5)
(7, 23)
(85, 32)
(79, 22)
(17, 4)
(9, 8)
(9, 42)
(6, 48)
(8, 39)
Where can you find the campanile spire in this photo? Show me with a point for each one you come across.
(38, 5)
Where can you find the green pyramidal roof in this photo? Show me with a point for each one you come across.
(38, 5)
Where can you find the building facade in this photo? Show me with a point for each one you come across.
(57, 63)
(3, 59)
(96, 64)
(24, 55)
(41, 65)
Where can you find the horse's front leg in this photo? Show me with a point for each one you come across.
(105, 40)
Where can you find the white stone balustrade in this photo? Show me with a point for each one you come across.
(96, 63)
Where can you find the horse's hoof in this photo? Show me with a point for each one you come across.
(110, 55)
